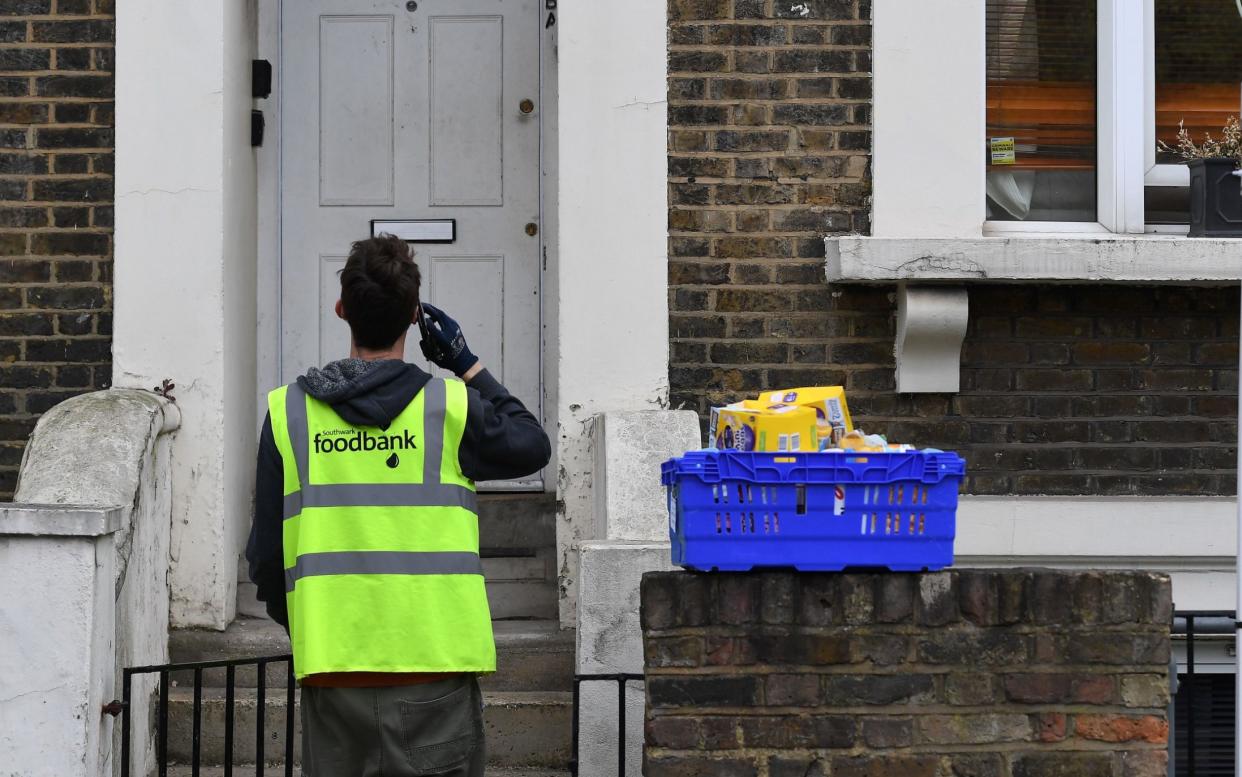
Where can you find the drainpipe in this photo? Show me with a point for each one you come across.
(1237, 572)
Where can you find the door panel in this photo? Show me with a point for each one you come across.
(333, 338)
(467, 150)
(390, 114)
(456, 280)
(355, 110)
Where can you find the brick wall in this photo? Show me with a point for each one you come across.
(1066, 390)
(56, 116)
(956, 674)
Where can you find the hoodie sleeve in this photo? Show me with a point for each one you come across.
(503, 440)
(265, 549)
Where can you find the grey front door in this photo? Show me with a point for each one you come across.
(402, 111)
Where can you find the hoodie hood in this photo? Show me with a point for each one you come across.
(365, 393)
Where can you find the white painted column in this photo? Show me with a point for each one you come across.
(1237, 606)
(930, 119)
(58, 627)
(185, 269)
(612, 276)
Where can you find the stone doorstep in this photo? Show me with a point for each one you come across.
(518, 543)
(516, 524)
(524, 729)
(532, 655)
(516, 589)
(510, 525)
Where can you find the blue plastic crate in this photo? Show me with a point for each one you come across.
(734, 511)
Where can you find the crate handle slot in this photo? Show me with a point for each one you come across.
(801, 490)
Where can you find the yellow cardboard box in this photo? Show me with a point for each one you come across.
(755, 426)
(831, 411)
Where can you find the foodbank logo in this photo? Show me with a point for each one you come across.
(362, 441)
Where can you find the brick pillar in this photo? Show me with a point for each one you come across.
(966, 673)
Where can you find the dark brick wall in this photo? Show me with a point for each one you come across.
(956, 674)
(1065, 390)
(56, 140)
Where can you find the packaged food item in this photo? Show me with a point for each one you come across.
(861, 442)
(831, 411)
(755, 426)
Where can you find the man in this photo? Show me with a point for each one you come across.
(365, 538)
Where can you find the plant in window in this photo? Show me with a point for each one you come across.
(1215, 186)
(1228, 146)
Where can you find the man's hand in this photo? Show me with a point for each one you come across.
(444, 344)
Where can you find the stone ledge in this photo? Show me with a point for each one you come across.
(1017, 597)
(1131, 259)
(59, 520)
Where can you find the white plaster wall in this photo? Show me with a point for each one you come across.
(111, 449)
(241, 209)
(927, 162)
(612, 318)
(609, 641)
(184, 257)
(56, 611)
(630, 449)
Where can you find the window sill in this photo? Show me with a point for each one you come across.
(1035, 258)
(931, 273)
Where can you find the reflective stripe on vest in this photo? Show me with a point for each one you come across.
(381, 576)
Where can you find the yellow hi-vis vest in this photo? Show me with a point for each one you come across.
(381, 538)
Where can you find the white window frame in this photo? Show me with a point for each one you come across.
(1126, 129)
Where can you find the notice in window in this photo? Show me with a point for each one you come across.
(1003, 151)
(1041, 110)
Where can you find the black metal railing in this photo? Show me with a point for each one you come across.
(621, 680)
(1203, 728)
(166, 672)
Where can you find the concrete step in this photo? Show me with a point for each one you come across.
(516, 524)
(523, 729)
(522, 599)
(517, 587)
(277, 769)
(534, 655)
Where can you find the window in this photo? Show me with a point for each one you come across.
(1041, 127)
(1079, 95)
(1197, 53)
(1211, 726)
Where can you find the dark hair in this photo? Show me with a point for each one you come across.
(379, 290)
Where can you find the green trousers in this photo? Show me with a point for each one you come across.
(403, 731)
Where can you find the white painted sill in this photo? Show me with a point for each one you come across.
(1029, 258)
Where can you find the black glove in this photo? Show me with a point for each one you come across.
(443, 343)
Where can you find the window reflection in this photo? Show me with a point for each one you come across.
(1041, 110)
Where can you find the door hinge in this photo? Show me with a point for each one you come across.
(260, 78)
(257, 125)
